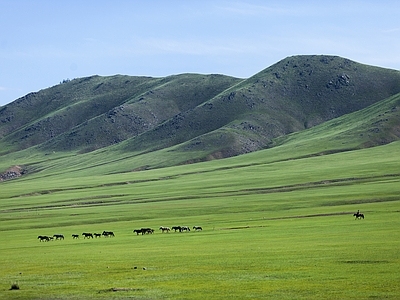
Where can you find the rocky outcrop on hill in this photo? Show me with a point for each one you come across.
(12, 173)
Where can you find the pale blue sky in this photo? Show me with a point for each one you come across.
(43, 42)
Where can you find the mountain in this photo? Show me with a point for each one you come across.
(290, 96)
(202, 116)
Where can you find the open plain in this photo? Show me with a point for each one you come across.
(271, 230)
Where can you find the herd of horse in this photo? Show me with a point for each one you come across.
(142, 231)
(86, 235)
(45, 238)
(163, 229)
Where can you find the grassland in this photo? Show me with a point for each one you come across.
(273, 229)
(118, 154)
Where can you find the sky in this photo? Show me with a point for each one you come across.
(43, 42)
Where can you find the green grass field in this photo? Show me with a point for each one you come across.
(272, 229)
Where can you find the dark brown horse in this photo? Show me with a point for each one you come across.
(147, 231)
(108, 233)
(175, 228)
(43, 238)
(87, 235)
(58, 236)
(137, 231)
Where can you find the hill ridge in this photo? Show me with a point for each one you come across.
(204, 116)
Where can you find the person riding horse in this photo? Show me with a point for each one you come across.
(358, 215)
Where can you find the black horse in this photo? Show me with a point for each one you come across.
(43, 238)
(147, 231)
(175, 228)
(137, 231)
(108, 233)
(87, 235)
(58, 236)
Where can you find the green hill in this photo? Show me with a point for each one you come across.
(293, 95)
(135, 123)
(90, 113)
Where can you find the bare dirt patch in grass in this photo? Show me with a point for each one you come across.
(12, 173)
(365, 262)
(118, 289)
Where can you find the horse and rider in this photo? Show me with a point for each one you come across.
(358, 215)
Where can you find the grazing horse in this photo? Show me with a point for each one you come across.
(43, 238)
(185, 228)
(358, 215)
(197, 228)
(163, 229)
(108, 233)
(147, 230)
(177, 228)
(58, 236)
(97, 235)
(137, 231)
(87, 235)
(75, 236)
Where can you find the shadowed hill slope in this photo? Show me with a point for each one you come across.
(94, 112)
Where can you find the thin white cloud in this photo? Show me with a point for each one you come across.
(391, 30)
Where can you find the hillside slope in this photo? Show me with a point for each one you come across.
(295, 94)
(202, 116)
(95, 112)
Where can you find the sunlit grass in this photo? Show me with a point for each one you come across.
(271, 229)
